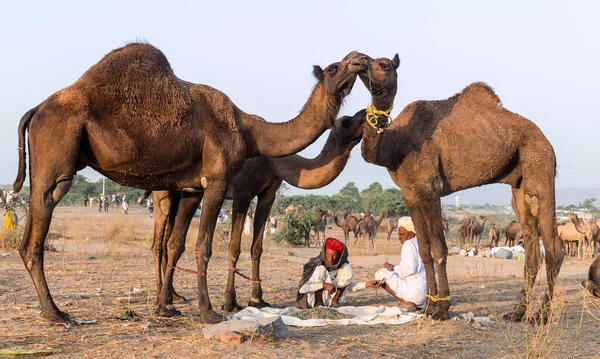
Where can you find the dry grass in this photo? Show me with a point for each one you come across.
(117, 289)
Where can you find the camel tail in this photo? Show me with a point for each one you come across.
(23, 125)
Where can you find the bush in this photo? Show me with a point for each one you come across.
(294, 229)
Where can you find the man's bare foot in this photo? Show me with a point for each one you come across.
(409, 306)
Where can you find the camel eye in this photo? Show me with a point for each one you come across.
(332, 69)
(384, 66)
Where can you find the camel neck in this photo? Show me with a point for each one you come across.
(317, 172)
(377, 148)
(283, 139)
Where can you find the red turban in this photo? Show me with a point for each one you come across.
(334, 244)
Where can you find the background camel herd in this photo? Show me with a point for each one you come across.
(132, 119)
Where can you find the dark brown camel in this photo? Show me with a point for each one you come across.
(512, 232)
(593, 282)
(463, 231)
(367, 228)
(130, 118)
(349, 224)
(591, 232)
(475, 230)
(262, 177)
(494, 236)
(424, 151)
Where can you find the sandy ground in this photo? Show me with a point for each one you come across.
(103, 268)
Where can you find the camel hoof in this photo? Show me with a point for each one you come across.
(167, 312)
(513, 317)
(58, 317)
(230, 307)
(260, 303)
(540, 318)
(440, 315)
(210, 317)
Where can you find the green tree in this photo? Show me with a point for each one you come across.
(589, 203)
(348, 198)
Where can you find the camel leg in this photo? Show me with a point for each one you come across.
(173, 205)
(263, 207)
(439, 253)
(176, 246)
(240, 207)
(50, 179)
(159, 238)
(43, 200)
(420, 222)
(214, 196)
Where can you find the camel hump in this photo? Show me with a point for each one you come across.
(129, 59)
(482, 91)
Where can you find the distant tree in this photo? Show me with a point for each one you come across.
(348, 198)
(589, 203)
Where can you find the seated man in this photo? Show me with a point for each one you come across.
(405, 281)
(325, 278)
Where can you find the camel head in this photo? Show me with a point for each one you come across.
(348, 129)
(381, 79)
(339, 77)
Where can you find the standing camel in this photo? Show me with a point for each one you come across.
(425, 154)
(321, 218)
(475, 230)
(367, 228)
(262, 177)
(574, 241)
(387, 226)
(349, 224)
(131, 119)
(512, 232)
(591, 232)
(494, 236)
(463, 231)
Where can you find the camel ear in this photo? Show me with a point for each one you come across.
(318, 72)
(396, 61)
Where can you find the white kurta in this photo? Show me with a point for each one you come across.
(340, 278)
(408, 278)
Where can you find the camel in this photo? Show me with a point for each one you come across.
(131, 119)
(512, 232)
(475, 230)
(463, 231)
(494, 236)
(349, 224)
(424, 151)
(321, 217)
(367, 228)
(387, 226)
(262, 177)
(593, 282)
(591, 232)
(293, 209)
(573, 240)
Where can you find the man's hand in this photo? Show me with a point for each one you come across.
(373, 284)
(388, 266)
(328, 287)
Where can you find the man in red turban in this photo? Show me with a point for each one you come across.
(325, 278)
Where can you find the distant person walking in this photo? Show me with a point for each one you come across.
(106, 204)
(85, 200)
(100, 203)
(150, 204)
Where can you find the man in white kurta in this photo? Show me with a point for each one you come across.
(406, 280)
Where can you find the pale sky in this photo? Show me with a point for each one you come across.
(541, 57)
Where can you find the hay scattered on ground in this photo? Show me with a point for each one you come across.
(320, 313)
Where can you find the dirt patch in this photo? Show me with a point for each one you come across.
(93, 278)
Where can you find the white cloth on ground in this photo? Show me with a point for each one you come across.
(340, 278)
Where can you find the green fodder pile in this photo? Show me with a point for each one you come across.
(320, 313)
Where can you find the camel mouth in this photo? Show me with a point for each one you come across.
(357, 67)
